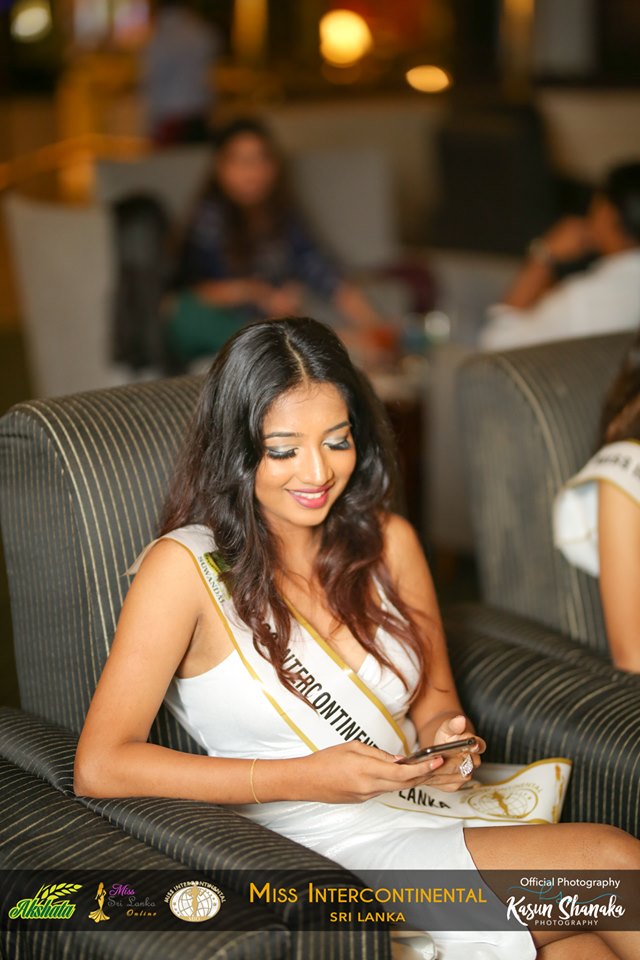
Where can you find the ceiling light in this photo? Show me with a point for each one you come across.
(428, 79)
(30, 20)
(344, 37)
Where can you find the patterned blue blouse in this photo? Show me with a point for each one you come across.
(292, 256)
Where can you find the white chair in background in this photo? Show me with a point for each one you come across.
(346, 195)
(64, 266)
(174, 175)
(467, 283)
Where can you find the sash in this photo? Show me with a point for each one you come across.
(347, 709)
(498, 793)
(575, 509)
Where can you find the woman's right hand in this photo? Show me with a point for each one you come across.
(354, 772)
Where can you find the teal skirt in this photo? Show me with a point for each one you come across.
(196, 329)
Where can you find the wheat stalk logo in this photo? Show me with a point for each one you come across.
(55, 891)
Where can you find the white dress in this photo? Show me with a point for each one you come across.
(214, 708)
(575, 508)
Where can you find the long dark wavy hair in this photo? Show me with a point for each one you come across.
(214, 482)
(621, 412)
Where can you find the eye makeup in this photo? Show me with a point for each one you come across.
(275, 454)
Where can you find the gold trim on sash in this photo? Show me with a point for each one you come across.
(352, 675)
(453, 816)
(534, 763)
(287, 719)
(521, 780)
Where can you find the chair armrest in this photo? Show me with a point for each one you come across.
(529, 703)
(42, 830)
(486, 621)
(39, 747)
(204, 836)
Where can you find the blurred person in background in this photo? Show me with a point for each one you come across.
(248, 254)
(176, 66)
(603, 298)
(597, 514)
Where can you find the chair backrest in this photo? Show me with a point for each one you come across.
(529, 421)
(347, 196)
(63, 259)
(81, 483)
(174, 175)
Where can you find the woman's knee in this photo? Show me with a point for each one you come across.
(611, 848)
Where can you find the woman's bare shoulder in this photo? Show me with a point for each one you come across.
(166, 598)
(169, 565)
(401, 543)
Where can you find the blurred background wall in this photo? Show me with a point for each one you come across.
(489, 119)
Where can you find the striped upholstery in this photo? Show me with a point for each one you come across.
(81, 482)
(204, 836)
(529, 422)
(534, 694)
(53, 832)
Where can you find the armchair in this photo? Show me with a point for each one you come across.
(531, 661)
(81, 480)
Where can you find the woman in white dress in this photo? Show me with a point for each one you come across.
(597, 515)
(288, 619)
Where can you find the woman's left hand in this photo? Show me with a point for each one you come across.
(448, 776)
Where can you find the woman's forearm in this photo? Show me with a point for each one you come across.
(148, 769)
(534, 279)
(229, 293)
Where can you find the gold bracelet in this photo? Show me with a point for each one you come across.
(253, 789)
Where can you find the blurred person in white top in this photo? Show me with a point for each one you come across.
(176, 66)
(604, 298)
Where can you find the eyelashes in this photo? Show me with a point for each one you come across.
(276, 455)
(287, 454)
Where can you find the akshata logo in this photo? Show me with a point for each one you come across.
(194, 900)
(49, 903)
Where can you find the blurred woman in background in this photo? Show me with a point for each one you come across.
(597, 514)
(249, 255)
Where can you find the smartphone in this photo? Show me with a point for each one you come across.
(425, 752)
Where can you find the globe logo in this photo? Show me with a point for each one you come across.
(514, 803)
(195, 901)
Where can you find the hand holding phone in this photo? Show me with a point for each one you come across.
(434, 750)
